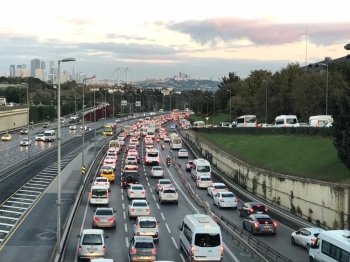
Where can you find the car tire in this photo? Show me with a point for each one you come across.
(244, 226)
(311, 259)
(177, 202)
(239, 213)
(307, 246)
(292, 240)
(219, 206)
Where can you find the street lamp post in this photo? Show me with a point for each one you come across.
(230, 104)
(94, 123)
(25, 84)
(59, 154)
(265, 81)
(213, 109)
(326, 89)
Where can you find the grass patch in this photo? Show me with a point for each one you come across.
(218, 118)
(310, 157)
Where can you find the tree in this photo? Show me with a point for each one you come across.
(231, 78)
(341, 128)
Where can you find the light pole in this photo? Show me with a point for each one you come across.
(326, 89)
(140, 102)
(59, 154)
(213, 109)
(25, 84)
(163, 102)
(230, 104)
(265, 81)
(94, 123)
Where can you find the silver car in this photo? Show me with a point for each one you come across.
(25, 142)
(168, 195)
(142, 248)
(157, 171)
(104, 217)
(39, 137)
(91, 244)
(147, 226)
(260, 224)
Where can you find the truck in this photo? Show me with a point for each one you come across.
(109, 129)
(127, 130)
(114, 144)
(2, 101)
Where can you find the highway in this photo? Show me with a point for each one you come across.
(169, 217)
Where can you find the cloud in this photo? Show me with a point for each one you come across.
(129, 37)
(261, 32)
(79, 21)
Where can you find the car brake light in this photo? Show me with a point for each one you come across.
(132, 210)
(222, 200)
(313, 240)
(265, 209)
(96, 219)
(131, 192)
(256, 224)
(143, 192)
(136, 182)
(192, 250)
(147, 209)
(275, 225)
(133, 250)
(107, 194)
(236, 200)
(226, 189)
(90, 194)
(80, 249)
(215, 189)
(154, 251)
(251, 210)
(111, 219)
(221, 250)
(138, 233)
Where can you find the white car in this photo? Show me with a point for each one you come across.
(25, 142)
(216, 187)
(157, 171)
(225, 199)
(134, 141)
(39, 137)
(203, 181)
(136, 191)
(147, 226)
(305, 236)
(121, 141)
(73, 127)
(182, 153)
(168, 195)
(102, 181)
(73, 117)
(138, 208)
(131, 160)
(121, 137)
(167, 139)
(162, 183)
(149, 147)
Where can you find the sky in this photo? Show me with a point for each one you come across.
(160, 38)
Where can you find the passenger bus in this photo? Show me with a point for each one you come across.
(175, 141)
(246, 121)
(127, 129)
(109, 129)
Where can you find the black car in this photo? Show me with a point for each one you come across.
(129, 178)
(24, 131)
(252, 208)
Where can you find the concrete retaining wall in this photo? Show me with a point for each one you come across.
(325, 204)
(13, 119)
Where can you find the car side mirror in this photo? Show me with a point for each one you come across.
(78, 236)
(114, 210)
(179, 228)
(94, 210)
(107, 236)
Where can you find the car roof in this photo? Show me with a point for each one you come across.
(261, 215)
(219, 184)
(149, 218)
(136, 185)
(157, 167)
(104, 208)
(313, 229)
(92, 231)
(254, 203)
(101, 177)
(139, 200)
(143, 238)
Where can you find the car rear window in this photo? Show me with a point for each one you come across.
(159, 168)
(137, 187)
(227, 195)
(152, 154)
(169, 191)
(92, 239)
(264, 220)
(99, 192)
(144, 245)
(148, 224)
(140, 204)
(205, 178)
(207, 240)
(104, 212)
(259, 208)
(101, 179)
(165, 182)
(220, 186)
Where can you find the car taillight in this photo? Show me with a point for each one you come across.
(192, 250)
(80, 249)
(133, 250)
(154, 251)
(236, 200)
(90, 194)
(313, 240)
(111, 219)
(143, 192)
(131, 192)
(147, 209)
(275, 225)
(132, 210)
(138, 233)
(136, 182)
(222, 200)
(266, 210)
(226, 189)
(96, 219)
(221, 250)
(215, 189)
(107, 194)
(251, 210)
(256, 224)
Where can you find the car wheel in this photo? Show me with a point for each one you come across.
(177, 202)
(219, 206)
(311, 259)
(244, 226)
(308, 247)
(292, 240)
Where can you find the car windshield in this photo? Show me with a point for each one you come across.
(139, 204)
(40, 135)
(227, 195)
(104, 212)
(152, 154)
(137, 187)
(203, 168)
(183, 151)
(25, 140)
(143, 245)
(220, 186)
(148, 224)
(259, 208)
(207, 240)
(92, 239)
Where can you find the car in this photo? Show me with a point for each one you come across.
(148, 147)
(260, 224)
(121, 141)
(216, 187)
(138, 207)
(39, 137)
(88, 128)
(105, 260)
(305, 236)
(46, 125)
(225, 199)
(147, 226)
(118, 120)
(25, 142)
(166, 139)
(131, 160)
(252, 208)
(203, 181)
(169, 195)
(142, 248)
(107, 172)
(131, 146)
(73, 127)
(130, 176)
(112, 153)
(162, 183)
(73, 117)
(136, 191)
(157, 171)
(110, 161)
(188, 165)
(24, 131)
(104, 217)
(182, 153)
(121, 137)
(134, 141)
(91, 244)
(6, 137)
(133, 152)
(102, 181)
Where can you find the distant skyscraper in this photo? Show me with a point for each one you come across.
(74, 73)
(23, 66)
(43, 65)
(34, 64)
(19, 67)
(12, 70)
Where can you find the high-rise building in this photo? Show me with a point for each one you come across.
(23, 66)
(43, 65)
(19, 67)
(74, 73)
(12, 70)
(34, 64)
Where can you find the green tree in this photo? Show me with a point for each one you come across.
(231, 78)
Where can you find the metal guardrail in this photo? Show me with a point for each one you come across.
(250, 244)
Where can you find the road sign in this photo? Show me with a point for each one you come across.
(207, 118)
(138, 103)
(124, 102)
(83, 170)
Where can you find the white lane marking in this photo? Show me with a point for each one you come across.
(145, 174)
(162, 215)
(123, 205)
(122, 197)
(175, 244)
(182, 257)
(150, 189)
(167, 227)
(154, 198)
(157, 205)
(122, 190)
(126, 227)
(147, 178)
(149, 185)
(127, 241)
(124, 215)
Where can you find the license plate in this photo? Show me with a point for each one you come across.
(170, 196)
(140, 210)
(98, 200)
(104, 220)
(92, 249)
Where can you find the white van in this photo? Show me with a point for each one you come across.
(201, 238)
(49, 136)
(331, 246)
(200, 167)
(198, 124)
(286, 121)
(98, 195)
(321, 121)
(246, 121)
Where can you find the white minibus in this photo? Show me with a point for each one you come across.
(49, 136)
(200, 167)
(321, 121)
(246, 121)
(331, 246)
(175, 142)
(286, 121)
(201, 238)
(198, 124)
